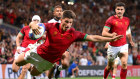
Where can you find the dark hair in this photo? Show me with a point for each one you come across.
(120, 4)
(69, 14)
(57, 6)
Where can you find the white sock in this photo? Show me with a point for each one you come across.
(113, 76)
(37, 77)
(28, 75)
(46, 77)
(60, 68)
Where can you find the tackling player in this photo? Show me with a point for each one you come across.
(24, 36)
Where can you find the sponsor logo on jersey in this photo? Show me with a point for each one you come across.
(61, 35)
(54, 33)
(116, 23)
(125, 23)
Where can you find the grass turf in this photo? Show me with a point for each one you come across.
(99, 78)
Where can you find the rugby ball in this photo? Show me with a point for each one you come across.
(34, 36)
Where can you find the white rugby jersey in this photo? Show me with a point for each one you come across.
(53, 21)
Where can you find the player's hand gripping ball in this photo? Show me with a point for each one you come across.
(41, 30)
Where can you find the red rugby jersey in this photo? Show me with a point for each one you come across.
(26, 40)
(119, 26)
(57, 42)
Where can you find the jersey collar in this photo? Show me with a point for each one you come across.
(117, 17)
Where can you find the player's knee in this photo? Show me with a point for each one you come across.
(34, 71)
(65, 65)
(124, 64)
(14, 70)
(109, 67)
(77, 69)
(21, 63)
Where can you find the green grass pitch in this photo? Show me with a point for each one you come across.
(99, 78)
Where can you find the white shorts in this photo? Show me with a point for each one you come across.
(113, 52)
(17, 54)
(32, 57)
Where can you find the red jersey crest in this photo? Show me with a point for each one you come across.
(54, 33)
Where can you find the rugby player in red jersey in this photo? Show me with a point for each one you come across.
(26, 40)
(117, 25)
(59, 37)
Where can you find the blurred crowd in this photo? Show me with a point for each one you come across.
(91, 17)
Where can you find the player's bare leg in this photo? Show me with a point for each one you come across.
(24, 71)
(65, 60)
(114, 71)
(64, 63)
(124, 58)
(15, 68)
(51, 71)
(47, 74)
(20, 61)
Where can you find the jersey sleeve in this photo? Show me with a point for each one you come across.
(80, 36)
(48, 25)
(128, 21)
(108, 23)
(22, 31)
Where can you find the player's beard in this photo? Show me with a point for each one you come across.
(57, 18)
(120, 15)
(65, 27)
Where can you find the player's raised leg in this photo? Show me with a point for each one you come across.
(114, 71)
(21, 61)
(15, 68)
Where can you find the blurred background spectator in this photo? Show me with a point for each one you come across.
(73, 69)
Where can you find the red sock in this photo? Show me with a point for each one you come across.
(113, 76)
(111, 73)
(106, 73)
(123, 73)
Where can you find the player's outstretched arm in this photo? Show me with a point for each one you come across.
(97, 38)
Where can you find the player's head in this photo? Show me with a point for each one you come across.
(57, 12)
(67, 19)
(36, 19)
(120, 9)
